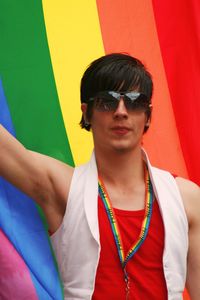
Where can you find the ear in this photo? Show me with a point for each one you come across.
(148, 123)
(84, 107)
(148, 116)
(84, 110)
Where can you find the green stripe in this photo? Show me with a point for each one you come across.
(26, 71)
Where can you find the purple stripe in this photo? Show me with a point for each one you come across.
(15, 280)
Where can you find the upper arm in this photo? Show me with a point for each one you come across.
(44, 179)
(191, 199)
(17, 165)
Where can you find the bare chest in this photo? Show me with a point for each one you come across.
(127, 199)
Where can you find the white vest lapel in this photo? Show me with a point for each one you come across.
(91, 198)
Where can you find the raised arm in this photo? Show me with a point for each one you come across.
(44, 179)
(191, 198)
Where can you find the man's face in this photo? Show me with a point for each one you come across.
(120, 130)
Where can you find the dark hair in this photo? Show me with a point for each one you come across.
(117, 72)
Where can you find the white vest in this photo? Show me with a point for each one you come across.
(76, 242)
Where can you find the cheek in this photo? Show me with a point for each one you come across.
(95, 124)
(140, 118)
(100, 126)
(98, 119)
(139, 124)
(97, 127)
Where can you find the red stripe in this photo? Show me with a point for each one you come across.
(178, 27)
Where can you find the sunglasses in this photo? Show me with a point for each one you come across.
(109, 101)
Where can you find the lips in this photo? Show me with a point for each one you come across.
(121, 130)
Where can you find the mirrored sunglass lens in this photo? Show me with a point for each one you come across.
(109, 100)
(140, 102)
(115, 95)
(105, 104)
(132, 95)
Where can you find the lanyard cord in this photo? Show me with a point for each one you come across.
(114, 225)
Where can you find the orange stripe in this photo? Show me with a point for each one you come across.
(129, 26)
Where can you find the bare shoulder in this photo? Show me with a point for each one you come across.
(190, 193)
(191, 199)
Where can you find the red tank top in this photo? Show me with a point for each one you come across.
(145, 269)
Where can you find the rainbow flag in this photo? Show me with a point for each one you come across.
(28, 269)
(46, 46)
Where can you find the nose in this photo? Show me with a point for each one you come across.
(121, 111)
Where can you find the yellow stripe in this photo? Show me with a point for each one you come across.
(74, 39)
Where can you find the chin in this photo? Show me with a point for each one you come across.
(123, 148)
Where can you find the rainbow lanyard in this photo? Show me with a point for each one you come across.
(115, 228)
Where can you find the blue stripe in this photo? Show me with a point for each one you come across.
(22, 224)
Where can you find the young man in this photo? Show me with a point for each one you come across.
(122, 229)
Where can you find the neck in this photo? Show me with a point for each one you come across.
(120, 167)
